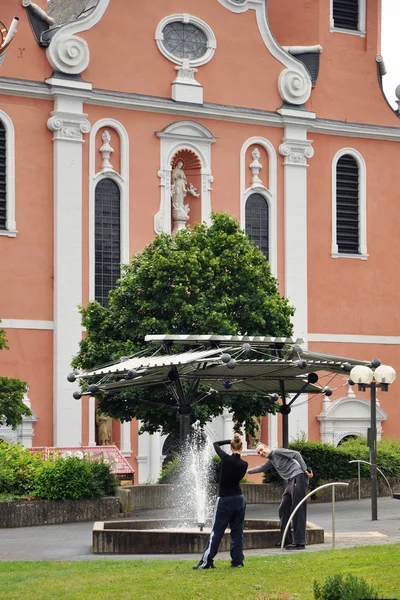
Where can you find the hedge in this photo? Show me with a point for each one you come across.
(331, 463)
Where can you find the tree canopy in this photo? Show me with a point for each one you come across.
(12, 407)
(204, 280)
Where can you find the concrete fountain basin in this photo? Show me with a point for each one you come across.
(168, 536)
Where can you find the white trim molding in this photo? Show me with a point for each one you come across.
(270, 194)
(26, 324)
(294, 82)
(183, 135)
(186, 18)
(68, 53)
(342, 338)
(11, 227)
(121, 179)
(362, 205)
(362, 20)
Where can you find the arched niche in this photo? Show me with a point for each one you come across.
(193, 138)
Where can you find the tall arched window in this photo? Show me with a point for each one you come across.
(347, 205)
(257, 222)
(3, 180)
(107, 238)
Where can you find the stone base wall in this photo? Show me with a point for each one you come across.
(141, 497)
(52, 512)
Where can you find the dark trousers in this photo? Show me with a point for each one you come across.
(229, 510)
(294, 492)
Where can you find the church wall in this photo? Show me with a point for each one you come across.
(28, 293)
(30, 358)
(337, 287)
(239, 74)
(389, 354)
(25, 59)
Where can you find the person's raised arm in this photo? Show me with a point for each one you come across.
(217, 447)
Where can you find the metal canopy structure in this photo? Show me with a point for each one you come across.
(195, 366)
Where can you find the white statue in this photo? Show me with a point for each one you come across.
(180, 188)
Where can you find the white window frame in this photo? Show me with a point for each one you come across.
(362, 20)
(362, 205)
(270, 194)
(121, 179)
(186, 18)
(11, 226)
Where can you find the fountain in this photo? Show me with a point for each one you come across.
(187, 528)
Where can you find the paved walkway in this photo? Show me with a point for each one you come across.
(73, 541)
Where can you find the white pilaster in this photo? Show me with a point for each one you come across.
(126, 449)
(228, 424)
(296, 149)
(92, 422)
(273, 431)
(68, 122)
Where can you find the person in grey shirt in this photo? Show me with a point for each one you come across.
(289, 465)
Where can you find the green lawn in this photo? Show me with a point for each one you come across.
(262, 578)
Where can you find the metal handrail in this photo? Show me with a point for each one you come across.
(359, 475)
(304, 499)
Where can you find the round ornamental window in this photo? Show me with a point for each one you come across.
(185, 40)
(184, 37)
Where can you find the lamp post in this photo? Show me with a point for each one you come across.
(365, 378)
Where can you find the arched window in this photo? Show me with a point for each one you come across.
(347, 205)
(107, 239)
(3, 176)
(257, 222)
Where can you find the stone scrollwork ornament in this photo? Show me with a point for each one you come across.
(294, 87)
(68, 53)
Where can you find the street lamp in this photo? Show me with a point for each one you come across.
(365, 378)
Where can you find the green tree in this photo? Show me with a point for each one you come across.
(12, 407)
(206, 280)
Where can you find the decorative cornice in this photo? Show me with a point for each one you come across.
(296, 152)
(68, 53)
(235, 114)
(68, 126)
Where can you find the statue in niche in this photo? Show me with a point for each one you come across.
(252, 441)
(104, 429)
(180, 188)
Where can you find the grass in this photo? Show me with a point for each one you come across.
(263, 578)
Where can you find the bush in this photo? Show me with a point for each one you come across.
(331, 463)
(104, 480)
(349, 587)
(74, 479)
(18, 468)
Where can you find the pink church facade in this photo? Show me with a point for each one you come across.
(277, 115)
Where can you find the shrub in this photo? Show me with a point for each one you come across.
(18, 467)
(348, 587)
(104, 480)
(331, 463)
(67, 478)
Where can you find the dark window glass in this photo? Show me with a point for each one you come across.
(347, 205)
(257, 222)
(3, 182)
(346, 14)
(184, 40)
(107, 239)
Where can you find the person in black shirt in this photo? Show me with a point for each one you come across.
(230, 506)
